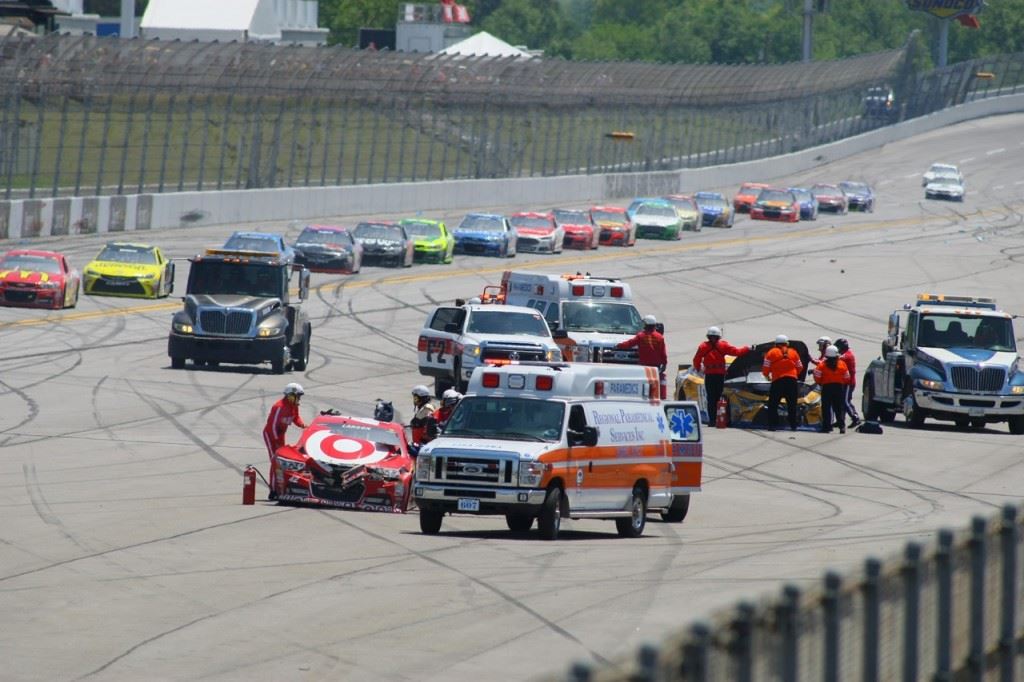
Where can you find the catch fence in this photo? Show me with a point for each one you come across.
(82, 115)
(948, 612)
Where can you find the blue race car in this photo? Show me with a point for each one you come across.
(715, 208)
(486, 234)
(263, 242)
(808, 202)
(859, 196)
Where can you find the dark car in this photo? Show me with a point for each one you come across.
(880, 102)
(808, 204)
(830, 198)
(325, 248)
(386, 243)
(859, 196)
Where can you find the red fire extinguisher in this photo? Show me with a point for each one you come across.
(663, 385)
(722, 413)
(249, 485)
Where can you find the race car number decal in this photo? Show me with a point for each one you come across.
(326, 445)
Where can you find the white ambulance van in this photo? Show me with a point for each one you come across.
(547, 441)
(588, 315)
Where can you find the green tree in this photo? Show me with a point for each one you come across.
(534, 23)
(344, 18)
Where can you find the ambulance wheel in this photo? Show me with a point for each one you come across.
(430, 521)
(550, 520)
(962, 423)
(519, 523)
(677, 512)
(633, 527)
(1016, 424)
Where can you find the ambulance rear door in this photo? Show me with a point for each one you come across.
(684, 427)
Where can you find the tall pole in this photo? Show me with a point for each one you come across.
(943, 42)
(808, 28)
(127, 18)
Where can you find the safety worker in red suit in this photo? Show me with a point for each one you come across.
(782, 366)
(710, 359)
(650, 346)
(422, 424)
(449, 400)
(823, 343)
(283, 414)
(847, 356)
(833, 376)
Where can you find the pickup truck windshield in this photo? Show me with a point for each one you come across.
(507, 419)
(966, 331)
(251, 279)
(503, 322)
(606, 318)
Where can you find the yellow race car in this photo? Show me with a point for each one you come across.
(123, 269)
(746, 391)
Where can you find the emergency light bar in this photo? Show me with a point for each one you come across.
(241, 254)
(961, 301)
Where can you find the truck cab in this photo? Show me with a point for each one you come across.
(951, 358)
(546, 441)
(239, 309)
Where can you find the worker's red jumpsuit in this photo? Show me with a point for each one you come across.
(650, 346)
(283, 414)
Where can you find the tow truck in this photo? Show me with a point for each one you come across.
(951, 358)
(238, 309)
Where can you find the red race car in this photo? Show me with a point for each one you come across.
(38, 279)
(537, 232)
(616, 227)
(776, 204)
(580, 233)
(830, 198)
(747, 195)
(347, 462)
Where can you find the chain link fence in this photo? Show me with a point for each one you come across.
(948, 612)
(87, 116)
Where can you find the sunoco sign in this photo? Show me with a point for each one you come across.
(946, 9)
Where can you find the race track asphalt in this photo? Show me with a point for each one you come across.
(125, 553)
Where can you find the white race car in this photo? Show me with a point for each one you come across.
(938, 170)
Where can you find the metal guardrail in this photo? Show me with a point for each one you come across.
(951, 611)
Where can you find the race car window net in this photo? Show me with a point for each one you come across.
(529, 222)
(34, 263)
(428, 230)
(125, 253)
(247, 279)
(315, 236)
(482, 223)
(507, 418)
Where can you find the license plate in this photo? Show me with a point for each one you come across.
(469, 504)
(976, 412)
(621, 355)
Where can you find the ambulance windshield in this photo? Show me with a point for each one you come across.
(605, 318)
(507, 419)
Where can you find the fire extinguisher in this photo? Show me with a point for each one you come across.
(663, 385)
(249, 485)
(722, 413)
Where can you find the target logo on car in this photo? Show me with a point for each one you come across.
(333, 448)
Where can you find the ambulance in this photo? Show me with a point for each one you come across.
(588, 315)
(541, 442)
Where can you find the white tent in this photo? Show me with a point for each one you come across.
(208, 20)
(483, 44)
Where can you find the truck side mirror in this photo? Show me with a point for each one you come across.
(560, 333)
(589, 436)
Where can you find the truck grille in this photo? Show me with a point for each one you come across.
(233, 322)
(476, 470)
(988, 380)
(526, 352)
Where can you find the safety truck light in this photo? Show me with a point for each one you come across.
(930, 385)
(516, 381)
(599, 388)
(182, 328)
(424, 463)
(1017, 390)
(616, 292)
(421, 345)
(546, 383)
(490, 380)
(577, 290)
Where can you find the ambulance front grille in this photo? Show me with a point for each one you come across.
(475, 470)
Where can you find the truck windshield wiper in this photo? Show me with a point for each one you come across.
(464, 433)
(520, 435)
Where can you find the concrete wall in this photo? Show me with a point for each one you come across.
(54, 217)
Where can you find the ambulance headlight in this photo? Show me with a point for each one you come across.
(424, 463)
(531, 473)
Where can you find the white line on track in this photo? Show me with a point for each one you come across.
(995, 151)
(912, 175)
(967, 160)
(1019, 182)
(999, 186)
(885, 182)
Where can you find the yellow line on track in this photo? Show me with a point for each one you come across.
(564, 260)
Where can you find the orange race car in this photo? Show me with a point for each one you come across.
(747, 195)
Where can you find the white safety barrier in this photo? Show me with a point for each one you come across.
(29, 218)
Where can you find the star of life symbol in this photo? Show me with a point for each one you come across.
(682, 424)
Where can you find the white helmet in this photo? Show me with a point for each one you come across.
(450, 397)
(650, 320)
(831, 352)
(714, 331)
(824, 341)
(474, 301)
(782, 339)
(293, 389)
(421, 391)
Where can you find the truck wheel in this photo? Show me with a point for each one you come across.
(868, 404)
(978, 423)
(962, 423)
(300, 355)
(633, 527)
(430, 521)
(1017, 425)
(177, 363)
(278, 366)
(912, 412)
(550, 520)
(677, 512)
(519, 523)
(459, 385)
(888, 416)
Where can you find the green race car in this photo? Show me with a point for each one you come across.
(657, 220)
(434, 243)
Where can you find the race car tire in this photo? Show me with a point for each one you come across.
(1016, 425)
(677, 512)
(519, 523)
(177, 363)
(430, 521)
(550, 520)
(633, 527)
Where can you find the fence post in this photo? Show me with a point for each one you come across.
(976, 659)
(911, 610)
(695, 654)
(742, 645)
(872, 570)
(1007, 630)
(786, 615)
(944, 616)
(646, 663)
(830, 605)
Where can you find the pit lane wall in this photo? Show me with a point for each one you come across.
(54, 217)
(948, 610)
